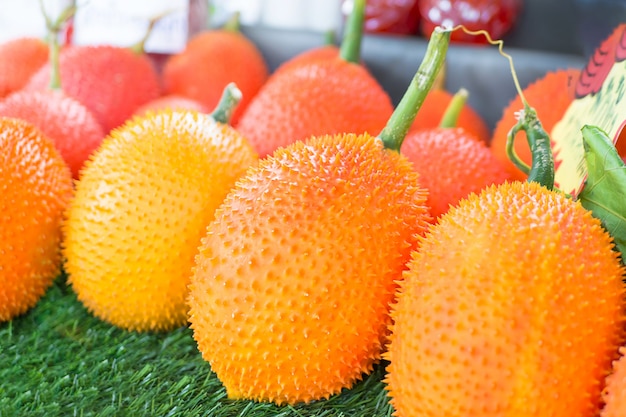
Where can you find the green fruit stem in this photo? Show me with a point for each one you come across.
(228, 102)
(350, 50)
(542, 161)
(450, 117)
(403, 116)
(140, 47)
(53, 29)
(233, 24)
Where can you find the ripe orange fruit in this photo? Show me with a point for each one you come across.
(19, 59)
(614, 392)
(142, 204)
(289, 299)
(171, 101)
(211, 60)
(110, 81)
(318, 96)
(36, 188)
(550, 96)
(434, 107)
(311, 55)
(512, 305)
(452, 163)
(71, 126)
(292, 284)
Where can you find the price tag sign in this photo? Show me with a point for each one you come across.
(600, 101)
(25, 17)
(124, 23)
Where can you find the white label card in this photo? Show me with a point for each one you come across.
(124, 23)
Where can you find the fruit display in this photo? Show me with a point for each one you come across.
(231, 235)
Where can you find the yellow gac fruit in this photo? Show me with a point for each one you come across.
(292, 287)
(142, 204)
(512, 306)
(36, 187)
(614, 393)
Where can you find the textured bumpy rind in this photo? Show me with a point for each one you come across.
(35, 189)
(292, 286)
(72, 127)
(513, 305)
(141, 207)
(317, 97)
(210, 61)
(112, 82)
(452, 163)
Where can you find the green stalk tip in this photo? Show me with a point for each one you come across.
(228, 102)
(403, 116)
(454, 108)
(233, 24)
(53, 28)
(542, 168)
(140, 46)
(353, 34)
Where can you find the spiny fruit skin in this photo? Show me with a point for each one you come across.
(211, 60)
(19, 59)
(290, 296)
(326, 96)
(550, 96)
(142, 205)
(308, 56)
(110, 81)
(614, 392)
(71, 126)
(430, 114)
(452, 164)
(36, 189)
(513, 305)
(171, 101)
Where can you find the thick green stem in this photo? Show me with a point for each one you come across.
(403, 116)
(140, 47)
(53, 28)
(225, 108)
(451, 115)
(353, 33)
(542, 164)
(233, 24)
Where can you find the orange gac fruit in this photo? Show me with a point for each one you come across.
(173, 102)
(452, 163)
(319, 53)
(290, 294)
(550, 96)
(142, 204)
(71, 126)
(512, 305)
(36, 189)
(318, 94)
(614, 392)
(211, 60)
(19, 59)
(316, 98)
(435, 106)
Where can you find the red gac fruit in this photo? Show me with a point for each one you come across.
(71, 126)
(112, 82)
(19, 59)
(452, 163)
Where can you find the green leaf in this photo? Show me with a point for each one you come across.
(604, 193)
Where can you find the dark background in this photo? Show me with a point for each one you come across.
(549, 35)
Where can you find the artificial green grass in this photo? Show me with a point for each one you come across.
(58, 360)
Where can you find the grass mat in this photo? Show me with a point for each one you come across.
(58, 360)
